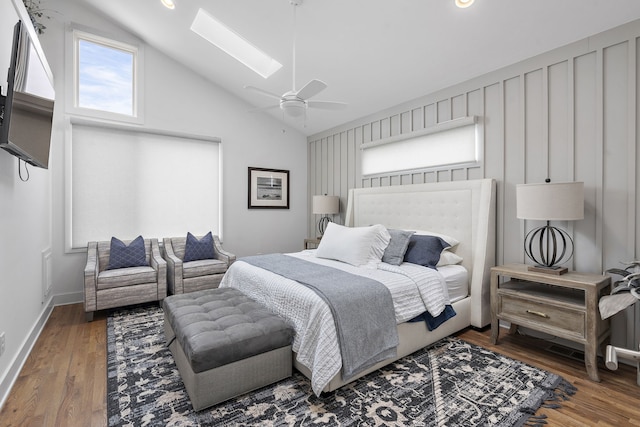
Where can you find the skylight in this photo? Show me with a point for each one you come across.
(212, 30)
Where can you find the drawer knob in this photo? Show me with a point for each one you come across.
(538, 313)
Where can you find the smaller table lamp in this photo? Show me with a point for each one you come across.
(549, 246)
(325, 205)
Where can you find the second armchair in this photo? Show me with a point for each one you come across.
(185, 276)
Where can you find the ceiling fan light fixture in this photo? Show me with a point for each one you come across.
(230, 42)
(293, 108)
(169, 4)
(464, 3)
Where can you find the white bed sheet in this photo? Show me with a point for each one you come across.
(414, 289)
(457, 279)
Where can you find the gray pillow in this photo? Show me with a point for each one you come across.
(394, 253)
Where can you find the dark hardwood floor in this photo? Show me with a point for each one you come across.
(63, 382)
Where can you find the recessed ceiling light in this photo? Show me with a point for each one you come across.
(169, 4)
(464, 3)
(215, 32)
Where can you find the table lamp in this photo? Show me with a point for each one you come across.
(549, 246)
(325, 205)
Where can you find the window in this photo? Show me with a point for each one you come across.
(106, 81)
(446, 143)
(124, 181)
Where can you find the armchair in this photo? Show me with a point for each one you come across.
(122, 286)
(184, 277)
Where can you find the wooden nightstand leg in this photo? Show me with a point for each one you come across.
(495, 323)
(513, 328)
(591, 347)
(495, 331)
(591, 362)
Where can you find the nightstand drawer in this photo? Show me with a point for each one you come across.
(543, 316)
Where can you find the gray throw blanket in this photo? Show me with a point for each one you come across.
(362, 308)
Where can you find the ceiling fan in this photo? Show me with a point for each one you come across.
(295, 102)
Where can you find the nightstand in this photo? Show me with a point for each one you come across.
(565, 306)
(311, 243)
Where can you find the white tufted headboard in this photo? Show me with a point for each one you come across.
(461, 209)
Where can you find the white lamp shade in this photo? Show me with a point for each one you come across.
(326, 204)
(553, 201)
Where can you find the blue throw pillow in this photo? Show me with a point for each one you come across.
(425, 250)
(122, 256)
(196, 249)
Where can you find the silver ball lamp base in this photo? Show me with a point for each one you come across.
(322, 224)
(548, 247)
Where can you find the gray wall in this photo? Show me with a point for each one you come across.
(176, 99)
(25, 240)
(569, 114)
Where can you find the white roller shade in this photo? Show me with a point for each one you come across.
(451, 145)
(126, 184)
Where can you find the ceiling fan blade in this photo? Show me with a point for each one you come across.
(263, 92)
(312, 88)
(327, 105)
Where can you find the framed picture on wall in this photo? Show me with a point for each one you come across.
(268, 188)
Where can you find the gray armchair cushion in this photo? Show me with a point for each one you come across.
(125, 277)
(203, 267)
(122, 255)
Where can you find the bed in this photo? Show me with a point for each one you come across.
(464, 210)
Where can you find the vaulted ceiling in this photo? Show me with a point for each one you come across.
(373, 54)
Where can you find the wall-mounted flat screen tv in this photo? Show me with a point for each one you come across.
(26, 111)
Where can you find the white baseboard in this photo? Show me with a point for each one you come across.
(10, 377)
(69, 298)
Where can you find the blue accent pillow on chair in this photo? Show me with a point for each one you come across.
(195, 249)
(123, 256)
(425, 250)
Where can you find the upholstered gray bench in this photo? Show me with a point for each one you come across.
(225, 344)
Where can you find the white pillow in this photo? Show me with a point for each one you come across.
(359, 246)
(452, 241)
(448, 258)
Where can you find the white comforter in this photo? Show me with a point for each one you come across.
(414, 290)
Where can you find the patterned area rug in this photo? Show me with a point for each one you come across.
(451, 383)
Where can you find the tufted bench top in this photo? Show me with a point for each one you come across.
(222, 325)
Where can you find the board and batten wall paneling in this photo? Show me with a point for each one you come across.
(568, 114)
(587, 143)
(614, 160)
(513, 156)
(615, 200)
(633, 144)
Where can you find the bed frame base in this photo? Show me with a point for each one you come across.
(412, 338)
